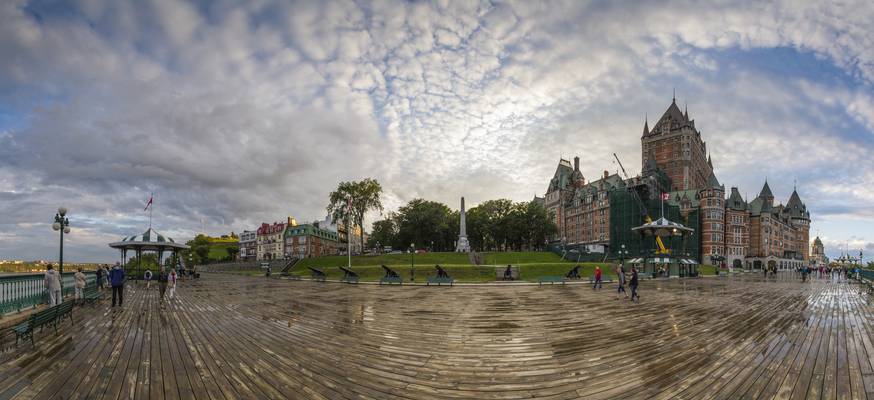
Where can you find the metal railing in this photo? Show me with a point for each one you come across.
(21, 291)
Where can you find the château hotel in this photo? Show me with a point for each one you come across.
(598, 215)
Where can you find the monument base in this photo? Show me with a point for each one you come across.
(463, 245)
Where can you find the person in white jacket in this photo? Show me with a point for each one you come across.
(80, 284)
(53, 285)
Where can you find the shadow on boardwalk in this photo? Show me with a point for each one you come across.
(239, 337)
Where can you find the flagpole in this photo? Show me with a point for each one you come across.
(151, 206)
(349, 232)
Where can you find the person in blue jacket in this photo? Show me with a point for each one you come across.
(116, 280)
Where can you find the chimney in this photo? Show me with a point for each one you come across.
(606, 174)
(576, 163)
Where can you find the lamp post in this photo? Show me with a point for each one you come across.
(62, 224)
(412, 255)
(622, 254)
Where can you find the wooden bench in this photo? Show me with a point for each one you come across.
(91, 294)
(317, 275)
(349, 276)
(390, 277)
(40, 319)
(553, 279)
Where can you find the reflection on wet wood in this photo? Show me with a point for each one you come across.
(229, 337)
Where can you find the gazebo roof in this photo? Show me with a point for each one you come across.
(148, 240)
(662, 227)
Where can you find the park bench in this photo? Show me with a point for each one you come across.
(574, 273)
(441, 278)
(316, 274)
(553, 279)
(349, 276)
(91, 294)
(390, 276)
(40, 319)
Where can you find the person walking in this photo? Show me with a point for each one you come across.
(171, 284)
(53, 285)
(597, 278)
(633, 284)
(148, 278)
(162, 284)
(116, 279)
(80, 285)
(99, 274)
(621, 280)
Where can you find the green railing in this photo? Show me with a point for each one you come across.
(21, 291)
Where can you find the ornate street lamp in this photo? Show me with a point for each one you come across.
(62, 224)
(622, 254)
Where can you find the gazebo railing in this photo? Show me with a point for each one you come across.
(21, 291)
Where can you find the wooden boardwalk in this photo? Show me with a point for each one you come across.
(231, 337)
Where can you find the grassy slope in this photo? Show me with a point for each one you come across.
(532, 265)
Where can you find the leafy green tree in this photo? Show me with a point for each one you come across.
(364, 196)
(384, 232)
(200, 248)
(232, 252)
(421, 222)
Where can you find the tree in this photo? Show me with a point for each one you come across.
(200, 247)
(420, 222)
(363, 196)
(384, 232)
(232, 252)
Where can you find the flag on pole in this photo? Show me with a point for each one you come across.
(666, 196)
(149, 203)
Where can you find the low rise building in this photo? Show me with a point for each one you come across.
(308, 240)
(270, 241)
(248, 245)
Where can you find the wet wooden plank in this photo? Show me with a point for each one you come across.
(237, 337)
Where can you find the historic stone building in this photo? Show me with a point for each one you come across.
(248, 245)
(817, 252)
(677, 149)
(727, 231)
(270, 241)
(308, 240)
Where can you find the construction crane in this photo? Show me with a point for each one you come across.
(643, 211)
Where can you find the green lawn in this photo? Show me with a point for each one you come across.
(218, 252)
(387, 259)
(461, 273)
(525, 257)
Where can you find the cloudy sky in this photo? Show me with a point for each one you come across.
(237, 114)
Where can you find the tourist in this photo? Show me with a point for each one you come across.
(162, 283)
(148, 277)
(621, 278)
(116, 279)
(80, 285)
(633, 284)
(508, 273)
(53, 285)
(99, 275)
(105, 276)
(171, 284)
(597, 278)
(804, 274)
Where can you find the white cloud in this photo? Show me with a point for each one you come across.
(246, 114)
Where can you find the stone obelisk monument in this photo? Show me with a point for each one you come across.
(463, 245)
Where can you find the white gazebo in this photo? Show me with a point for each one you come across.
(150, 240)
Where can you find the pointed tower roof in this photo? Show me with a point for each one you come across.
(686, 112)
(796, 207)
(712, 182)
(766, 191)
(735, 201)
(709, 161)
(645, 126)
